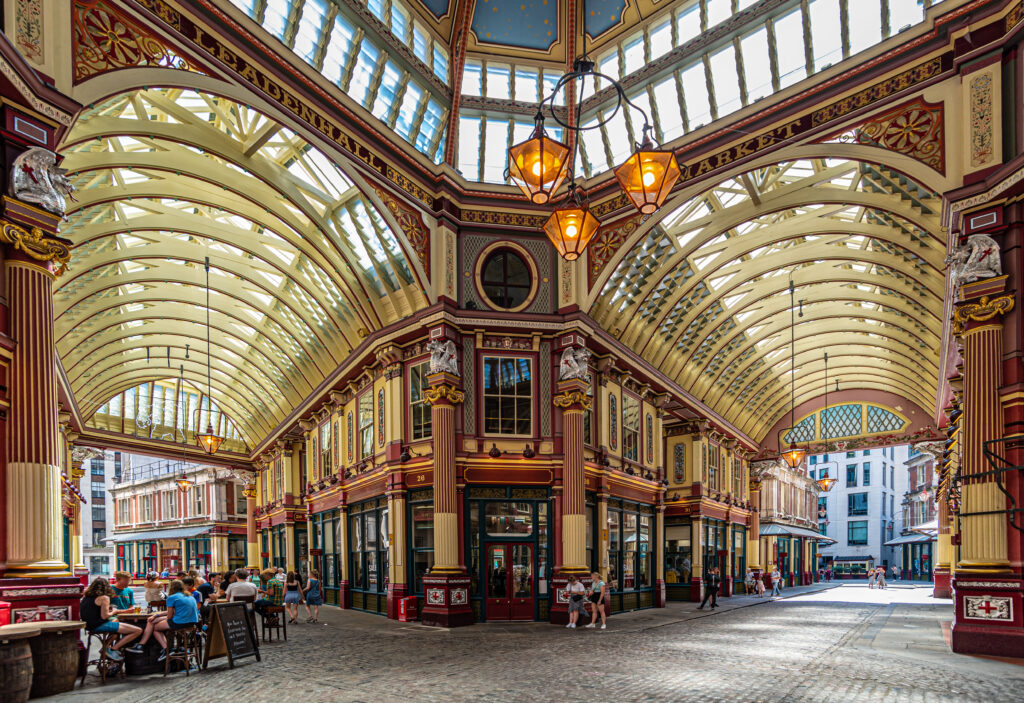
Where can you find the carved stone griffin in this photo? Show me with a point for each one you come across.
(978, 258)
(443, 356)
(36, 178)
(574, 364)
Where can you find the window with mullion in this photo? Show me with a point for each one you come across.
(366, 424)
(325, 448)
(508, 395)
(419, 409)
(630, 427)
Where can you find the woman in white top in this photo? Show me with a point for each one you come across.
(575, 592)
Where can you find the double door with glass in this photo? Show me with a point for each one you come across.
(510, 581)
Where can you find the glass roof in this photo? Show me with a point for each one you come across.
(705, 294)
(302, 266)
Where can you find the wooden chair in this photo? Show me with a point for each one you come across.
(105, 666)
(158, 604)
(280, 626)
(182, 646)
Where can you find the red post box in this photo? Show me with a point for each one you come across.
(5, 613)
(407, 609)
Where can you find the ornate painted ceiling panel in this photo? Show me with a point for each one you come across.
(705, 295)
(302, 266)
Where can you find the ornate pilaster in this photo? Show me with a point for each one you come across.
(446, 587)
(252, 546)
(398, 581)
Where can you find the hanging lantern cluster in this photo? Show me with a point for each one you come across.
(539, 165)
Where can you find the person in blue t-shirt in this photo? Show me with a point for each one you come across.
(123, 600)
(182, 612)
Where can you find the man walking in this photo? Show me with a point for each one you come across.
(776, 581)
(711, 586)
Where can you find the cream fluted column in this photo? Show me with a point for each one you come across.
(983, 517)
(573, 401)
(443, 396)
(34, 517)
(252, 546)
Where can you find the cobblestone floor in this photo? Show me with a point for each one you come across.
(841, 645)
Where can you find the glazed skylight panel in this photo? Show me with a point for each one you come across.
(320, 34)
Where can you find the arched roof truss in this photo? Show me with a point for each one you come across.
(302, 265)
(704, 295)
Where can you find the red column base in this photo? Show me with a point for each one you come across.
(987, 617)
(660, 598)
(696, 590)
(943, 587)
(59, 595)
(344, 595)
(446, 601)
(396, 592)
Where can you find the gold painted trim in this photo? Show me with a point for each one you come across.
(981, 311)
(36, 244)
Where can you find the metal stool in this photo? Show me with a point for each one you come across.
(186, 641)
(105, 666)
(274, 611)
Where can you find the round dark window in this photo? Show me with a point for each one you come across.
(506, 279)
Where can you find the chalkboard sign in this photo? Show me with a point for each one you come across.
(231, 634)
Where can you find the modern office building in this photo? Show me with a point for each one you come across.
(864, 509)
(102, 473)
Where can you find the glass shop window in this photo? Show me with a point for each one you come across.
(368, 555)
(508, 519)
(419, 408)
(508, 396)
(422, 525)
(366, 424)
(630, 427)
(506, 279)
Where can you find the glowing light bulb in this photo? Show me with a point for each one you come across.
(571, 230)
(648, 178)
(536, 168)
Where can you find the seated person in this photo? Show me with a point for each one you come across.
(222, 584)
(123, 600)
(273, 594)
(97, 614)
(181, 612)
(190, 589)
(208, 589)
(241, 587)
(154, 591)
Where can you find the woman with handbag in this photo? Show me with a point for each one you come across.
(598, 594)
(575, 592)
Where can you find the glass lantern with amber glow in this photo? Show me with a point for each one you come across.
(538, 165)
(209, 441)
(794, 455)
(571, 227)
(648, 175)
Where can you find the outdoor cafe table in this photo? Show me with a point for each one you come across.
(146, 662)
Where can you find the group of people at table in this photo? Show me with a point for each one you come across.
(187, 601)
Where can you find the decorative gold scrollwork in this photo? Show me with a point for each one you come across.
(36, 244)
(249, 491)
(443, 392)
(981, 311)
(570, 398)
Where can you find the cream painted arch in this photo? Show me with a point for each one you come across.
(106, 85)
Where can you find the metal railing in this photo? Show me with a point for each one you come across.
(154, 469)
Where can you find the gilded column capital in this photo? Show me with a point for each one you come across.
(443, 394)
(37, 245)
(572, 399)
(249, 490)
(981, 311)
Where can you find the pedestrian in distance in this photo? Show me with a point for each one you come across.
(880, 575)
(576, 593)
(759, 587)
(598, 595)
(711, 586)
(748, 581)
(314, 597)
(895, 572)
(776, 581)
(872, 577)
(292, 596)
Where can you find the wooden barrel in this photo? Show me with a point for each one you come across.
(16, 666)
(55, 658)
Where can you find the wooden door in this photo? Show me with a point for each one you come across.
(510, 581)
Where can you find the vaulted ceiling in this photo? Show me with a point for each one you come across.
(705, 295)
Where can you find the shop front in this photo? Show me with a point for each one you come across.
(325, 553)
(852, 567)
(916, 559)
(678, 558)
(631, 534)
(368, 555)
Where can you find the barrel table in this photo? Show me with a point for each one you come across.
(16, 661)
(55, 657)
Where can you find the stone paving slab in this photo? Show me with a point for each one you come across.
(825, 644)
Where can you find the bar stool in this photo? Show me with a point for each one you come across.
(105, 666)
(181, 647)
(274, 611)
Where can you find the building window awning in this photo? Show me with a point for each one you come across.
(930, 528)
(179, 533)
(909, 539)
(791, 531)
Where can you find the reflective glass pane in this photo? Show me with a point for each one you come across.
(756, 64)
(507, 519)
(522, 571)
(695, 90)
(789, 47)
(826, 36)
